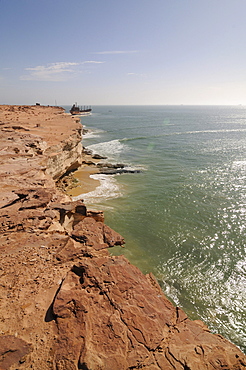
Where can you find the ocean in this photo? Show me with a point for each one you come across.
(183, 212)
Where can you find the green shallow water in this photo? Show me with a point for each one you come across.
(183, 215)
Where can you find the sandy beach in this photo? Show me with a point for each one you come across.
(85, 183)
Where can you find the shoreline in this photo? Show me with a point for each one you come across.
(66, 302)
(79, 181)
(86, 183)
(94, 178)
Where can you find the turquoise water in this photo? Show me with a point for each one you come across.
(183, 215)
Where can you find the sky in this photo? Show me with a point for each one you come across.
(131, 52)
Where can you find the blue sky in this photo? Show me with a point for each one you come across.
(123, 52)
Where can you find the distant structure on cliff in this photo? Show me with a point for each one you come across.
(86, 111)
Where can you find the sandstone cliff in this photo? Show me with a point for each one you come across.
(65, 302)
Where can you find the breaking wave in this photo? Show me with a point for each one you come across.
(109, 188)
(109, 148)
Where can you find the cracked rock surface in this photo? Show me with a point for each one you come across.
(120, 319)
(65, 302)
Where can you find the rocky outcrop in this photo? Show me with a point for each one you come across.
(65, 157)
(36, 141)
(65, 302)
(120, 319)
(113, 169)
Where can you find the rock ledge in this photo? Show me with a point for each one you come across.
(66, 304)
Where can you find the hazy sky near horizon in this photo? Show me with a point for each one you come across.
(103, 52)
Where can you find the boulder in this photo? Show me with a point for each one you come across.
(98, 156)
(96, 234)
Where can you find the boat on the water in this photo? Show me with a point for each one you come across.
(86, 111)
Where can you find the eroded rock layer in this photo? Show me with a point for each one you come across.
(120, 319)
(65, 302)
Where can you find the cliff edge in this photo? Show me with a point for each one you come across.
(66, 303)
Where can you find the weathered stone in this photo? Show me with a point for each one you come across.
(97, 215)
(114, 171)
(8, 198)
(75, 207)
(72, 251)
(96, 234)
(103, 313)
(87, 151)
(110, 165)
(89, 163)
(34, 198)
(121, 320)
(12, 351)
(98, 156)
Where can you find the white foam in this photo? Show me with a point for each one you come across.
(205, 132)
(135, 168)
(108, 189)
(108, 148)
(91, 133)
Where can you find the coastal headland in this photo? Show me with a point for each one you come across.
(65, 302)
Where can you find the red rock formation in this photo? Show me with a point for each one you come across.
(120, 319)
(65, 302)
(96, 234)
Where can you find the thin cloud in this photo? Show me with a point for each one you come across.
(92, 62)
(59, 71)
(117, 52)
(50, 72)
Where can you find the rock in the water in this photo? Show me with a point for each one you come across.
(110, 165)
(115, 171)
(98, 156)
